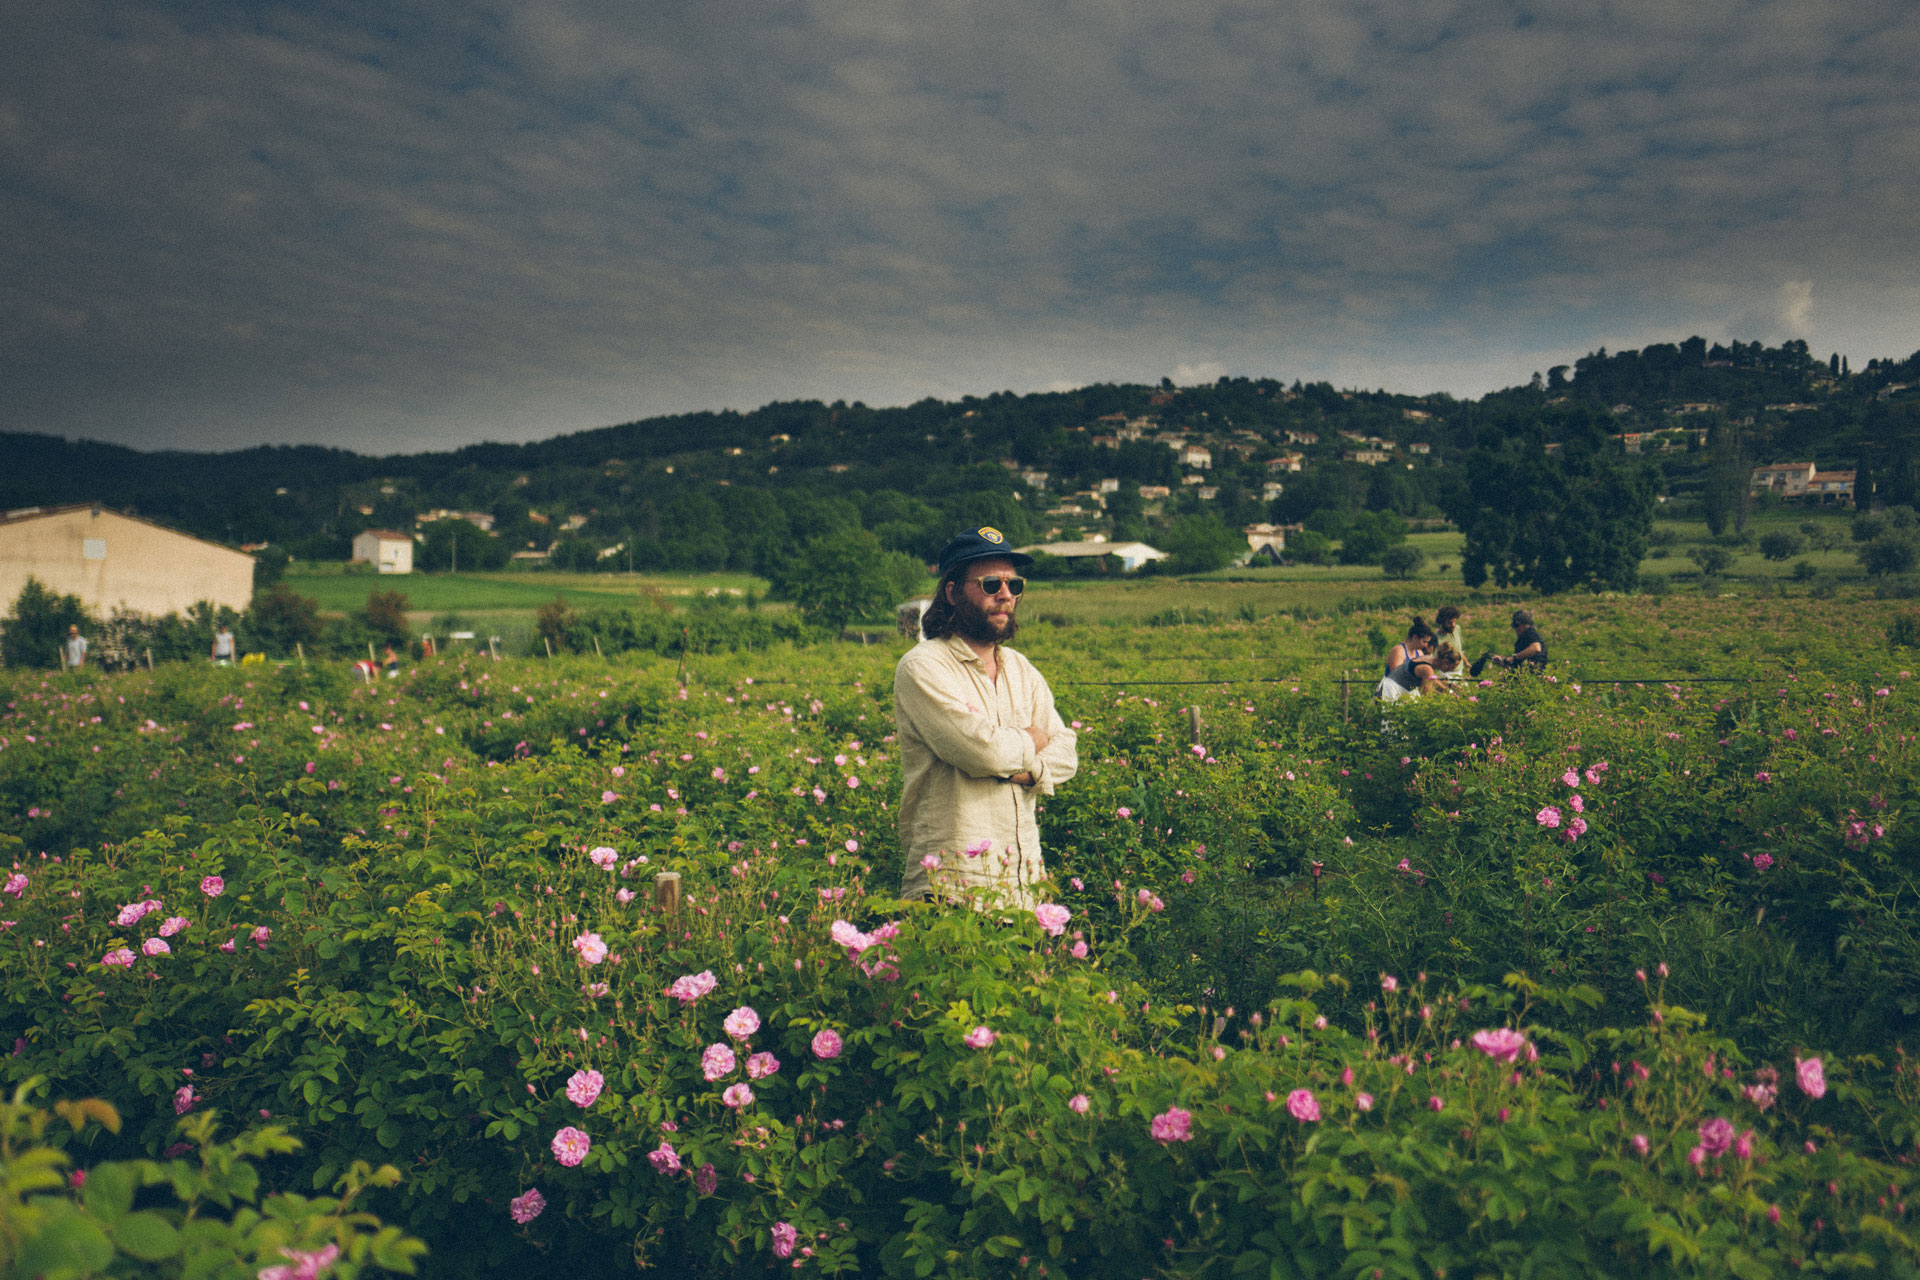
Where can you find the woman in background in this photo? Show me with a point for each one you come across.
(1446, 626)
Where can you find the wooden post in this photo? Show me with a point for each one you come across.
(298, 648)
(596, 647)
(666, 892)
(1346, 691)
(1193, 726)
(493, 647)
(549, 644)
(370, 657)
(149, 659)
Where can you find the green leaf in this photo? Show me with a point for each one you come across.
(108, 1193)
(69, 1242)
(147, 1236)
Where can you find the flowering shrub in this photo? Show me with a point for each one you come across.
(423, 929)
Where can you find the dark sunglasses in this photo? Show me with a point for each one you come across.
(992, 583)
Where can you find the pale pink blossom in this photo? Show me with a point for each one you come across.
(738, 1095)
(826, 1044)
(761, 1065)
(1548, 817)
(1302, 1106)
(261, 936)
(1175, 1124)
(849, 937)
(302, 1265)
(664, 1158)
(785, 1236)
(741, 1023)
(1640, 1144)
(155, 947)
(1577, 803)
(1716, 1135)
(583, 1087)
(717, 1061)
(1079, 1103)
(690, 987)
(931, 861)
(213, 886)
(1363, 1101)
(570, 1146)
(604, 858)
(527, 1206)
(706, 1179)
(173, 925)
(1761, 1095)
(1053, 918)
(1502, 1044)
(118, 958)
(980, 1038)
(1389, 983)
(1812, 1076)
(592, 948)
(16, 884)
(183, 1099)
(1570, 778)
(1436, 1102)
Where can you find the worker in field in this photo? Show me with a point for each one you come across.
(73, 653)
(979, 737)
(1529, 648)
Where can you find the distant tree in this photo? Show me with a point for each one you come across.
(554, 622)
(1201, 542)
(1403, 561)
(462, 545)
(1895, 551)
(1308, 547)
(37, 626)
(281, 618)
(1712, 560)
(1369, 535)
(269, 566)
(1780, 545)
(1727, 493)
(851, 576)
(386, 615)
(1581, 518)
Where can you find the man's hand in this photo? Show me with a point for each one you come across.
(1039, 737)
(1023, 778)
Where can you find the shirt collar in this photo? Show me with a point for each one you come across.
(962, 650)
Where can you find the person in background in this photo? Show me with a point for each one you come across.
(1529, 647)
(1446, 627)
(1421, 667)
(223, 646)
(73, 653)
(1419, 641)
(980, 739)
(392, 660)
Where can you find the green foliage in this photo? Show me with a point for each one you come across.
(851, 576)
(1895, 551)
(1304, 546)
(1712, 560)
(1803, 571)
(386, 615)
(280, 619)
(460, 544)
(1780, 545)
(1580, 518)
(1201, 542)
(37, 625)
(175, 1217)
(1369, 535)
(1403, 562)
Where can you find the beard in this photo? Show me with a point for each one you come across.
(974, 623)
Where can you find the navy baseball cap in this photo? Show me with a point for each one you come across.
(984, 543)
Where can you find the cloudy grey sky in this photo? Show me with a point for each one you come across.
(410, 224)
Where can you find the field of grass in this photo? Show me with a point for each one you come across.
(472, 593)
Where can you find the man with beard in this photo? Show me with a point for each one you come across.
(978, 734)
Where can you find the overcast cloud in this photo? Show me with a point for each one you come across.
(409, 225)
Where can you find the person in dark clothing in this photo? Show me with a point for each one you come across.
(1529, 648)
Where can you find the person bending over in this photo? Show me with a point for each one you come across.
(1529, 647)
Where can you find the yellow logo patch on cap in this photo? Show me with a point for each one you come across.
(993, 535)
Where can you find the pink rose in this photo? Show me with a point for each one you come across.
(1302, 1106)
(1053, 918)
(692, 986)
(1175, 1124)
(1079, 1103)
(173, 925)
(717, 1061)
(591, 947)
(664, 1158)
(1812, 1077)
(826, 1044)
(155, 947)
(583, 1087)
(118, 958)
(762, 1065)
(526, 1207)
(570, 1146)
(737, 1096)
(603, 858)
(980, 1038)
(741, 1023)
(1502, 1044)
(183, 1099)
(785, 1236)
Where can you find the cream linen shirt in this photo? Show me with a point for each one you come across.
(961, 737)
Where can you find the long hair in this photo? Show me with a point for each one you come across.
(938, 622)
(1419, 630)
(1446, 658)
(1444, 620)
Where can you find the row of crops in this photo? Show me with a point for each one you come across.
(1606, 972)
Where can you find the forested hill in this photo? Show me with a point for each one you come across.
(707, 490)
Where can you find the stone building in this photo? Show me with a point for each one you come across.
(118, 562)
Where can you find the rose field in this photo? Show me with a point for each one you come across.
(1607, 972)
